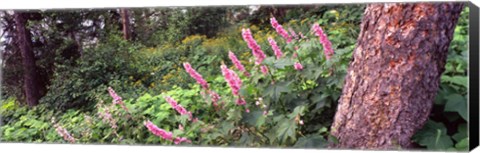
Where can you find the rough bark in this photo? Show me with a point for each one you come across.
(31, 77)
(394, 74)
(125, 23)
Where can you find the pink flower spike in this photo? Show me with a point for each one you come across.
(280, 29)
(237, 63)
(180, 127)
(252, 44)
(215, 98)
(241, 101)
(117, 99)
(276, 50)
(157, 131)
(292, 32)
(179, 140)
(171, 101)
(298, 66)
(194, 74)
(327, 45)
(179, 108)
(264, 69)
(232, 79)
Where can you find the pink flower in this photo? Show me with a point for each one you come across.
(157, 131)
(171, 101)
(179, 108)
(276, 49)
(215, 97)
(280, 29)
(237, 63)
(298, 66)
(252, 44)
(180, 127)
(247, 110)
(327, 45)
(295, 55)
(241, 101)
(194, 74)
(179, 140)
(292, 32)
(265, 112)
(232, 79)
(264, 69)
(117, 99)
(63, 132)
(300, 122)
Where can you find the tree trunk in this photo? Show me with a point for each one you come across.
(394, 74)
(125, 23)
(30, 74)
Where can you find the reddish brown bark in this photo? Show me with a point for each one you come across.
(31, 77)
(125, 23)
(394, 74)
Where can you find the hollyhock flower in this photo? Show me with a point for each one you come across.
(265, 112)
(171, 101)
(298, 66)
(292, 32)
(215, 97)
(63, 132)
(241, 101)
(300, 122)
(257, 103)
(117, 99)
(232, 79)
(252, 44)
(157, 131)
(264, 69)
(180, 127)
(179, 108)
(107, 117)
(237, 63)
(195, 75)
(276, 50)
(327, 45)
(179, 140)
(280, 30)
(247, 110)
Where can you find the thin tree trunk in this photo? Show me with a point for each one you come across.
(125, 23)
(394, 74)
(30, 75)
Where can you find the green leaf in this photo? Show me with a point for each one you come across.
(462, 132)
(462, 145)
(434, 136)
(281, 63)
(286, 130)
(457, 103)
(311, 141)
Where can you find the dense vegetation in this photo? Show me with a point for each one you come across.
(287, 106)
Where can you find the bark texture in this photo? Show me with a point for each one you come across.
(31, 77)
(394, 74)
(125, 23)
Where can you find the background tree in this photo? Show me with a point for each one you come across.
(30, 73)
(394, 74)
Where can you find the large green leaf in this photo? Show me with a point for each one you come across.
(286, 130)
(281, 63)
(457, 103)
(311, 141)
(462, 145)
(434, 136)
(462, 133)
